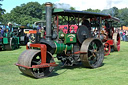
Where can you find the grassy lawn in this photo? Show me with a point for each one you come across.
(113, 72)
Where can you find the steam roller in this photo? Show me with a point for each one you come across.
(71, 49)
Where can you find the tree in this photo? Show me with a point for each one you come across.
(26, 19)
(6, 18)
(72, 8)
(123, 15)
(112, 11)
(24, 14)
(93, 10)
(32, 9)
(1, 11)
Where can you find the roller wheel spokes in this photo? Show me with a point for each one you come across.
(94, 53)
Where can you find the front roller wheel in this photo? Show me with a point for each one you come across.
(33, 57)
(94, 53)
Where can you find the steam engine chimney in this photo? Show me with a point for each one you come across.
(48, 8)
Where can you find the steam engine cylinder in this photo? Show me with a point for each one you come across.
(61, 47)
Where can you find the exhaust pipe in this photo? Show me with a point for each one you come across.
(48, 8)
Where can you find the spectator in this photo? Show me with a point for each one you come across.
(121, 35)
(124, 36)
(42, 32)
(1, 32)
(126, 32)
(9, 27)
(38, 28)
(6, 33)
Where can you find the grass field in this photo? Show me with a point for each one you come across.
(113, 72)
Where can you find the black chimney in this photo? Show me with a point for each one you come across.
(48, 15)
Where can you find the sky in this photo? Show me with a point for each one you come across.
(8, 5)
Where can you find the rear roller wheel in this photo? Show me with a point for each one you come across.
(116, 38)
(33, 57)
(94, 53)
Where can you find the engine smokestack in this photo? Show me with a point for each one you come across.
(48, 8)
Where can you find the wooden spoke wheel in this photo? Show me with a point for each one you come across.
(33, 57)
(107, 49)
(116, 38)
(94, 53)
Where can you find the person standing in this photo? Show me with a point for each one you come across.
(1, 32)
(42, 31)
(124, 35)
(9, 27)
(39, 28)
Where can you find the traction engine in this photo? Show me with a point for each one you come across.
(71, 49)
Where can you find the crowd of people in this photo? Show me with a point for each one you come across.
(124, 35)
(6, 29)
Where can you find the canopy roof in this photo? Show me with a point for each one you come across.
(76, 13)
(81, 14)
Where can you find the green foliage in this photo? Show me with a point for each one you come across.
(1, 12)
(112, 11)
(32, 9)
(92, 10)
(123, 15)
(6, 17)
(24, 14)
(72, 8)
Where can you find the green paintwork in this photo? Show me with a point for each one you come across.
(61, 34)
(55, 10)
(5, 41)
(61, 47)
(58, 10)
(69, 38)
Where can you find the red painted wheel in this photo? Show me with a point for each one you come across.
(107, 49)
(116, 38)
